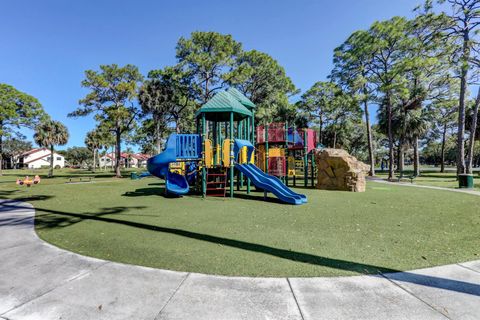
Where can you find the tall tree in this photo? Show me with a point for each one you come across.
(207, 57)
(17, 109)
(328, 104)
(77, 156)
(351, 71)
(473, 131)
(168, 96)
(416, 126)
(50, 134)
(263, 80)
(112, 96)
(319, 103)
(13, 147)
(387, 45)
(462, 28)
(93, 141)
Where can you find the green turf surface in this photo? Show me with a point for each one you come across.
(387, 228)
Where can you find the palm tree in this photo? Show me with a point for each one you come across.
(416, 126)
(49, 134)
(93, 141)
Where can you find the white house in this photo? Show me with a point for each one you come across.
(134, 160)
(40, 157)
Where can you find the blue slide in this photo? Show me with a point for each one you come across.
(271, 184)
(158, 166)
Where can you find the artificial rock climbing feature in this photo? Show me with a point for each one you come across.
(337, 170)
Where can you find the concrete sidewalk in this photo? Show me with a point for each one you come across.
(40, 281)
(409, 184)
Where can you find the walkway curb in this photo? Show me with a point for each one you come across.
(41, 281)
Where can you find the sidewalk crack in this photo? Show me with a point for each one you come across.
(413, 295)
(295, 298)
(468, 268)
(171, 297)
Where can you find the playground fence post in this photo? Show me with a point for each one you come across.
(248, 160)
(266, 148)
(305, 157)
(204, 164)
(231, 155)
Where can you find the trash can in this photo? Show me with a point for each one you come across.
(465, 181)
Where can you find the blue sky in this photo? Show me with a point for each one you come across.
(47, 45)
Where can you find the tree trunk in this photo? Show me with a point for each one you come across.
(105, 159)
(111, 158)
(401, 158)
(390, 138)
(94, 158)
(118, 153)
(461, 105)
(442, 155)
(1, 152)
(334, 138)
(416, 158)
(158, 137)
(50, 172)
(473, 129)
(371, 156)
(320, 130)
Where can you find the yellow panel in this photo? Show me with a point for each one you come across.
(291, 166)
(226, 153)
(208, 153)
(219, 154)
(276, 152)
(177, 167)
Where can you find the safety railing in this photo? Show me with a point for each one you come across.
(189, 146)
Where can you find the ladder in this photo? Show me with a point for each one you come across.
(216, 184)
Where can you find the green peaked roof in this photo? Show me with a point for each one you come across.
(218, 108)
(241, 98)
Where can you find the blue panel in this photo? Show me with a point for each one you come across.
(271, 184)
(159, 167)
(189, 146)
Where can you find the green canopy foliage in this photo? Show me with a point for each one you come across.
(113, 91)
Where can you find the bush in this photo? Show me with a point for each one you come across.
(58, 167)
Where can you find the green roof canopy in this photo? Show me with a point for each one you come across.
(221, 105)
(241, 98)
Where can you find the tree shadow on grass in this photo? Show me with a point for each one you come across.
(145, 192)
(55, 219)
(257, 197)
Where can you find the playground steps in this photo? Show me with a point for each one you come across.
(216, 184)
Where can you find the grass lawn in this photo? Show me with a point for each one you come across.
(435, 178)
(387, 228)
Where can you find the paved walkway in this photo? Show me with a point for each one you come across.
(40, 281)
(408, 184)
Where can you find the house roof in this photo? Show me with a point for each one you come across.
(40, 158)
(32, 151)
(241, 98)
(140, 156)
(219, 107)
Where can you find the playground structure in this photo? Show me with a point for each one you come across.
(28, 182)
(287, 152)
(224, 143)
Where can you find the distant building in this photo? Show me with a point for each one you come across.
(38, 158)
(129, 160)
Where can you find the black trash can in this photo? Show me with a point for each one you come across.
(465, 181)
